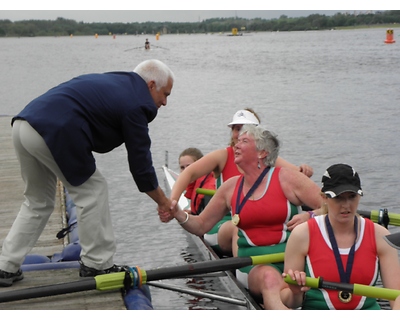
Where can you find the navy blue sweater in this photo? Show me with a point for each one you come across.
(96, 113)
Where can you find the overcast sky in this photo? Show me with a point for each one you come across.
(170, 10)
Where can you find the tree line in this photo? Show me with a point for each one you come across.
(67, 27)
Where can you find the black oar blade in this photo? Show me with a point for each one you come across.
(198, 268)
(50, 290)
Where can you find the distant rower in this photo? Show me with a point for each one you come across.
(147, 44)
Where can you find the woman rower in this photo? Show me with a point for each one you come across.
(339, 246)
(197, 201)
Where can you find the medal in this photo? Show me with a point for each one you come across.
(235, 219)
(345, 297)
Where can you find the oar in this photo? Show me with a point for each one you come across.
(382, 216)
(134, 48)
(394, 240)
(160, 47)
(114, 281)
(199, 293)
(207, 192)
(358, 289)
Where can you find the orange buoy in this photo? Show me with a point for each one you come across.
(389, 36)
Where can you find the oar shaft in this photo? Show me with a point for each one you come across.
(134, 48)
(376, 292)
(50, 290)
(198, 267)
(115, 281)
(358, 289)
(210, 266)
(198, 293)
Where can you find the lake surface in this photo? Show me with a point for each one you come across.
(331, 96)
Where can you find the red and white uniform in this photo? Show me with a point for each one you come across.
(320, 262)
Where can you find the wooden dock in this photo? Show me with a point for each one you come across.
(11, 198)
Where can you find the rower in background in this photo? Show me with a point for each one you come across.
(147, 44)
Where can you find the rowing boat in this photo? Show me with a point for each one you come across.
(381, 216)
(232, 287)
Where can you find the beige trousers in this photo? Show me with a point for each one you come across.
(39, 172)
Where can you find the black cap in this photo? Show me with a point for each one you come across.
(340, 178)
(393, 240)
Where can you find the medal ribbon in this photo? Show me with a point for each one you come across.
(240, 205)
(344, 275)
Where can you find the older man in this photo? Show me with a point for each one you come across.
(54, 137)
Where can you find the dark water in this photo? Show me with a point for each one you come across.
(331, 96)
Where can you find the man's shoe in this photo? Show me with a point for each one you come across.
(7, 278)
(85, 271)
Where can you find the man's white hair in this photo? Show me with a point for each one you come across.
(155, 70)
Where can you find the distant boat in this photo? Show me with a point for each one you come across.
(235, 32)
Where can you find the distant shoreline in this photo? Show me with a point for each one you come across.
(377, 26)
(233, 26)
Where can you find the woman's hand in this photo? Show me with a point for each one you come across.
(300, 278)
(307, 170)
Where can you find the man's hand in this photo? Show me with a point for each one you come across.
(166, 214)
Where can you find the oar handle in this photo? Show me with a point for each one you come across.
(310, 282)
(207, 192)
(268, 258)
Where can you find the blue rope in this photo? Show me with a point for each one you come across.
(135, 277)
(131, 280)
